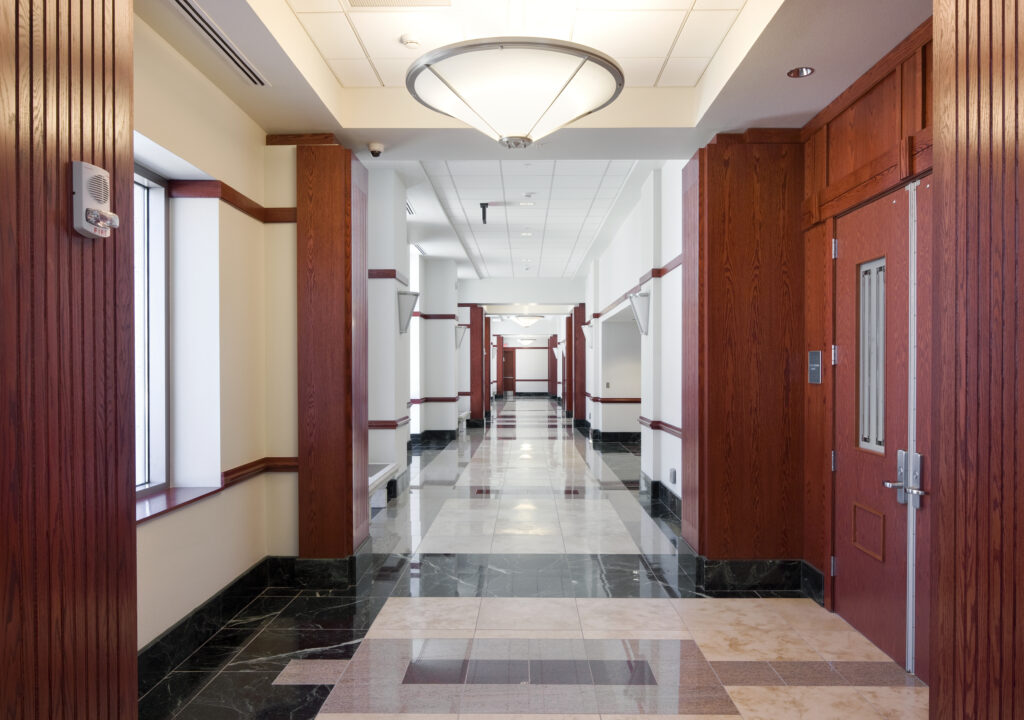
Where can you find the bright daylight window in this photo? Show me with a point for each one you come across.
(150, 331)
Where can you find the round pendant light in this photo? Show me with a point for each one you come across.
(515, 90)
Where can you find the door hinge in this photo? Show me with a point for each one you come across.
(832, 566)
(835, 248)
(835, 354)
(833, 461)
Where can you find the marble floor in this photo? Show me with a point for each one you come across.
(521, 575)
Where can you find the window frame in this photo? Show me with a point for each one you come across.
(153, 181)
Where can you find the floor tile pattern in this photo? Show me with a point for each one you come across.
(521, 575)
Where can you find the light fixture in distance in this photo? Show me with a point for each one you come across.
(527, 320)
(515, 89)
(527, 340)
(800, 72)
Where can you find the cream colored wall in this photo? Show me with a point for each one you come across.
(178, 108)
(248, 271)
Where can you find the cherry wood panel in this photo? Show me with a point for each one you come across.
(879, 110)
(227, 194)
(258, 467)
(436, 316)
(663, 426)
(818, 335)
(978, 555)
(386, 274)
(67, 494)
(476, 362)
(568, 389)
(487, 366)
(579, 373)
(552, 366)
(333, 440)
(303, 139)
(615, 400)
(499, 360)
(752, 273)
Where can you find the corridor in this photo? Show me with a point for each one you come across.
(523, 573)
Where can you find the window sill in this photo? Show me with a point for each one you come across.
(164, 501)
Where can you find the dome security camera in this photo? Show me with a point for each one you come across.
(376, 149)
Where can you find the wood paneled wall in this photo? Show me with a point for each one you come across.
(487, 367)
(978, 549)
(332, 351)
(750, 305)
(568, 363)
(476, 362)
(67, 488)
(875, 136)
(579, 370)
(552, 366)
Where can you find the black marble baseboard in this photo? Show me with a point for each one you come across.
(620, 437)
(437, 436)
(666, 497)
(812, 583)
(582, 425)
(532, 394)
(568, 413)
(475, 423)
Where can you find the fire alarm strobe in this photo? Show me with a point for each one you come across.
(90, 201)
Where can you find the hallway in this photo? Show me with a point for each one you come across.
(521, 574)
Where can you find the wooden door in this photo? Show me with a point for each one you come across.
(871, 419)
(509, 371)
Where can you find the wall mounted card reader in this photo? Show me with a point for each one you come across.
(814, 367)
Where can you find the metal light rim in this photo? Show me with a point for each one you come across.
(529, 43)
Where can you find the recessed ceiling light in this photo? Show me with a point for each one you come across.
(526, 234)
(800, 72)
(526, 204)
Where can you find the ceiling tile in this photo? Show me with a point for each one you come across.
(619, 167)
(641, 72)
(580, 167)
(628, 33)
(380, 31)
(635, 4)
(703, 33)
(315, 5)
(354, 73)
(392, 70)
(527, 167)
(718, 4)
(683, 72)
(577, 182)
(332, 35)
(474, 167)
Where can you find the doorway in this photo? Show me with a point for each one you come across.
(508, 372)
(881, 524)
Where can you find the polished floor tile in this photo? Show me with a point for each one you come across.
(521, 575)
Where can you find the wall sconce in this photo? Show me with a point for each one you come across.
(588, 334)
(460, 333)
(406, 304)
(554, 351)
(641, 306)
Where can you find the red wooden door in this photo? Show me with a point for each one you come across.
(509, 371)
(871, 419)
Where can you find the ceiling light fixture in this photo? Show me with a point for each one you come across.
(518, 89)
(526, 204)
(800, 72)
(527, 320)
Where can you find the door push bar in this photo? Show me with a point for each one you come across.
(907, 462)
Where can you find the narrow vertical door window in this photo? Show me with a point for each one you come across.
(871, 355)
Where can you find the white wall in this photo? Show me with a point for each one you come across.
(620, 375)
(440, 368)
(649, 236)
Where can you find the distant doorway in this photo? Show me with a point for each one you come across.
(508, 372)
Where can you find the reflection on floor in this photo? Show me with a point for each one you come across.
(518, 576)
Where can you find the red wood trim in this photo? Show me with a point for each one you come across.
(303, 139)
(414, 401)
(662, 426)
(588, 395)
(671, 265)
(388, 424)
(595, 316)
(430, 316)
(467, 305)
(615, 401)
(217, 190)
(531, 380)
(258, 467)
(878, 72)
(464, 393)
(668, 267)
(545, 348)
(161, 503)
(439, 399)
(465, 325)
(387, 274)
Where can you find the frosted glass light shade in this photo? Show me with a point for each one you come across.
(527, 320)
(588, 335)
(460, 333)
(406, 304)
(515, 90)
(641, 306)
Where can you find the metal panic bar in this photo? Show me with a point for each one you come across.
(871, 355)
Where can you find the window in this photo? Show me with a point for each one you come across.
(871, 376)
(150, 331)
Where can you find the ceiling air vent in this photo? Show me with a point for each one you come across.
(409, 210)
(220, 41)
(398, 3)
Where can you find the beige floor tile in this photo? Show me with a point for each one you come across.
(750, 614)
(517, 613)
(599, 634)
(805, 614)
(383, 716)
(843, 645)
(530, 634)
(311, 672)
(428, 613)
(737, 643)
(801, 703)
(453, 543)
(526, 717)
(669, 717)
(526, 527)
(898, 703)
(602, 614)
